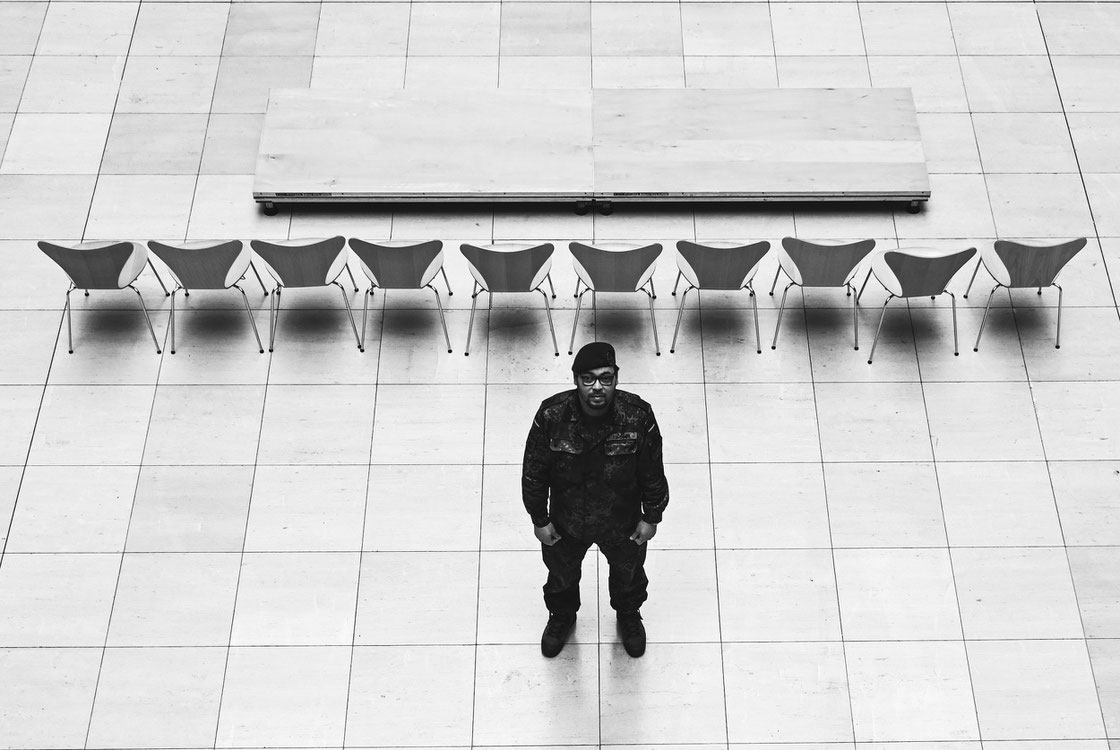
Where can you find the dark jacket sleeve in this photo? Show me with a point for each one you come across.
(535, 470)
(651, 474)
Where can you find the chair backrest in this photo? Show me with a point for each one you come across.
(516, 269)
(296, 263)
(399, 265)
(920, 272)
(204, 265)
(1019, 265)
(815, 264)
(604, 269)
(720, 266)
(98, 265)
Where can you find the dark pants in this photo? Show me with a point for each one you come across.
(627, 581)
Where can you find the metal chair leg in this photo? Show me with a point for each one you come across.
(652, 291)
(146, 318)
(470, 323)
(259, 279)
(674, 292)
(953, 299)
(757, 335)
(855, 316)
(171, 320)
(578, 281)
(350, 314)
(351, 275)
(1058, 340)
(653, 321)
(974, 272)
(879, 328)
(575, 321)
(445, 281)
(365, 313)
(442, 319)
(252, 322)
(160, 280)
(984, 318)
(69, 327)
(274, 319)
(866, 279)
(548, 312)
(781, 310)
(774, 283)
(551, 288)
(680, 314)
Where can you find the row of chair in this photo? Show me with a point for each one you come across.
(520, 268)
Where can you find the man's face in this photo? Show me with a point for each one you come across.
(596, 389)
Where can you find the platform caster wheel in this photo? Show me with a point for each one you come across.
(914, 207)
(581, 208)
(269, 209)
(605, 208)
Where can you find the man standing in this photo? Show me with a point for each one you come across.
(593, 474)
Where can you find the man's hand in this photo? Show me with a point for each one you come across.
(644, 532)
(547, 534)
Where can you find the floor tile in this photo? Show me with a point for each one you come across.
(71, 84)
(769, 505)
(296, 599)
(509, 415)
(523, 698)
(861, 518)
(907, 29)
(1095, 139)
(936, 81)
(683, 604)
(1087, 346)
(317, 425)
(1020, 83)
(79, 509)
(1087, 83)
(1024, 142)
(690, 706)
(998, 504)
(712, 72)
(635, 29)
(1104, 656)
(465, 72)
(690, 525)
(220, 210)
(116, 206)
(393, 690)
(405, 433)
(49, 705)
(231, 144)
(505, 524)
(949, 142)
(1019, 30)
(801, 71)
(832, 343)
(897, 594)
(1076, 420)
(1102, 190)
(466, 29)
(960, 209)
(636, 71)
(777, 595)
(1096, 578)
(787, 692)
(728, 339)
(180, 29)
(316, 345)
(190, 509)
(284, 696)
(451, 492)
(164, 84)
(111, 346)
(307, 509)
(56, 599)
(28, 346)
(413, 349)
(1000, 424)
(1034, 689)
(401, 583)
(910, 691)
(19, 406)
(359, 28)
(546, 28)
(205, 425)
(780, 420)
(87, 28)
(174, 599)
(1016, 593)
(1019, 213)
(1080, 28)
(28, 211)
(22, 22)
(533, 72)
(216, 346)
(74, 419)
(55, 144)
(1088, 500)
(816, 29)
(242, 83)
(155, 144)
(158, 697)
(10, 477)
(710, 28)
(872, 422)
(271, 30)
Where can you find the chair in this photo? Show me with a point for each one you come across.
(917, 272)
(401, 265)
(100, 265)
(811, 264)
(206, 265)
(303, 264)
(724, 266)
(509, 268)
(1017, 266)
(614, 267)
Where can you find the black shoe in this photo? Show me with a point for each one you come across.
(556, 633)
(633, 633)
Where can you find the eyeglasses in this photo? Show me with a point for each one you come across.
(587, 379)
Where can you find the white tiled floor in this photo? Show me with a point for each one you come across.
(320, 548)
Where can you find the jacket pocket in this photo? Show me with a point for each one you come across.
(621, 447)
(562, 445)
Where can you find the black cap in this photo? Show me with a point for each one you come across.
(593, 356)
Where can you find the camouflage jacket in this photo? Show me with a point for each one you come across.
(594, 481)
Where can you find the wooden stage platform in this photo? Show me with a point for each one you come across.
(591, 145)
